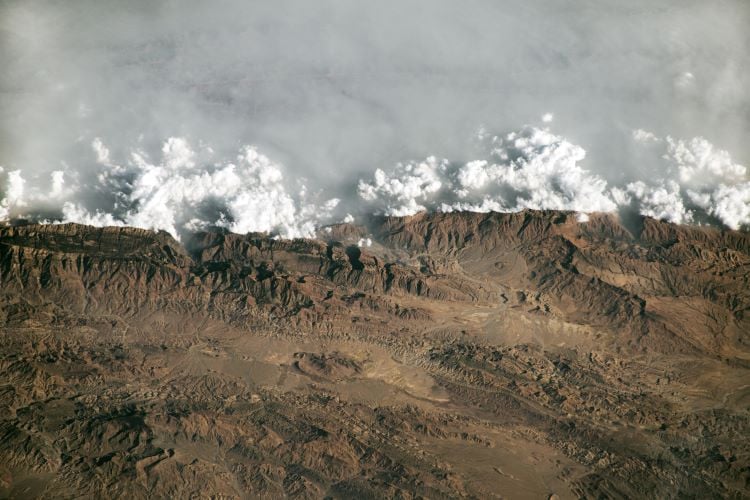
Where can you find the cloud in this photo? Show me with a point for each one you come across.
(531, 168)
(14, 192)
(645, 136)
(58, 183)
(71, 212)
(333, 90)
(13, 196)
(662, 201)
(178, 193)
(188, 188)
(729, 204)
(541, 170)
(536, 169)
(685, 80)
(403, 190)
(102, 153)
(699, 163)
(700, 180)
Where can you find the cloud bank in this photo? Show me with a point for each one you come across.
(531, 168)
(186, 189)
(536, 169)
(700, 182)
(141, 112)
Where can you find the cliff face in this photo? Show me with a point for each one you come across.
(476, 354)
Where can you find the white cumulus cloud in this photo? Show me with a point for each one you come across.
(699, 163)
(403, 190)
(531, 168)
(186, 188)
(178, 193)
(662, 201)
(700, 179)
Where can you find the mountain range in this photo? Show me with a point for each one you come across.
(441, 355)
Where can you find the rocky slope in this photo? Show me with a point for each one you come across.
(480, 355)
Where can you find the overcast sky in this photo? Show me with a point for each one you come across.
(332, 90)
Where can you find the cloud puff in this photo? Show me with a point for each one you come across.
(540, 170)
(178, 193)
(72, 212)
(729, 204)
(645, 136)
(662, 201)
(531, 168)
(403, 190)
(700, 180)
(15, 190)
(699, 163)
(20, 196)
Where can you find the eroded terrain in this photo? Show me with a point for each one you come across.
(479, 355)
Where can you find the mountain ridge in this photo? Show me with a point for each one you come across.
(531, 327)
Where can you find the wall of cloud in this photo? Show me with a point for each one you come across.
(283, 116)
(536, 169)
